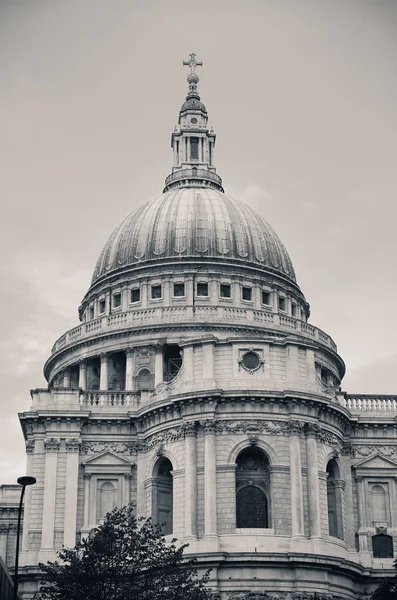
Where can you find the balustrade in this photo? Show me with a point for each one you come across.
(115, 399)
(370, 403)
(187, 314)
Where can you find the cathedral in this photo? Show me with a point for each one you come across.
(195, 388)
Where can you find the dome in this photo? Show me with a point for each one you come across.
(193, 104)
(193, 223)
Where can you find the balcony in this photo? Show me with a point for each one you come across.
(370, 403)
(186, 315)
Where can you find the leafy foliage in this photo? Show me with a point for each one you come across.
(387, 589)
(124, 558)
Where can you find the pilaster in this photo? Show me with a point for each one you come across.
(103, 381)
(313, 490)
(295, 429)
(51, 446)
(190, 480)
(72, 474)
(210, 502)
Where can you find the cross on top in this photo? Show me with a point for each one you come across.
(192, 62)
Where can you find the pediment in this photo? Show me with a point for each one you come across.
(107, 458)
(376, 462)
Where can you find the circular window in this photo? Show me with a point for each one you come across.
(194, 120)
(251, 361)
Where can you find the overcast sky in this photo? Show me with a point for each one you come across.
(302, 96)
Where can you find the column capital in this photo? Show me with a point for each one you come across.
(87, 476)
(190, 428)
(129, 352)
(295, 427)
(104, 356)
(72, 444)
(312, 430)
(82, 363)
(52, 444)
(4, 528)
(209, 426)
(29, 445)
(127, 475)
(359, 478)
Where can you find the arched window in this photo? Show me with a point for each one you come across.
(334, 500)
(252, 489)
(379, 505)
(163, 495)
(107, 498)
(145, 380)
(382, 546)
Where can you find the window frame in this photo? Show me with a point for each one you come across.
(135, 289)
(176, 283)
(119, 297)
(269, 297)
(156, 285)
(223, 285)
(246, 288)
(284, 300)
(198, 283)
(100, 302)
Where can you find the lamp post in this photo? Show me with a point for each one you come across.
(23, 481)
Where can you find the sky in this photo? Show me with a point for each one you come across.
(302, 96)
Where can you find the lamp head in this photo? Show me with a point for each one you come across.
(26, 480)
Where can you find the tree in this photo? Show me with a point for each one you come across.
(124, 558)
(387, 589)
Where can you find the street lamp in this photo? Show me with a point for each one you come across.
(23, 481)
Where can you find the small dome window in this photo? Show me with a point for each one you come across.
(265, 297)
(102, 306)
(117, 300)
(202, 289)
(247, 294)
(251, 361)
(136, 295)
(156, 292)
(179, 290)
(225, 290)
(282, 303)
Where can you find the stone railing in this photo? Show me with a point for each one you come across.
(190, 314)
(369, 402)
(116, 399)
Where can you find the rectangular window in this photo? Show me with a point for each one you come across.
(247, 293)
(179, 290)
(116, 300)
(102, 306)
(156, 292)
(294, 310)
(194, 148)
(91, 312)
(225, 290)
(266, 297)
(135, 295)
(202, 289)
(281, 303)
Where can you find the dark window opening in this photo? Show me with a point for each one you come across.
(91, 312)
(202, 289)
(265, 297)
(294, 310)
(156, 292)
(281, 303)
(247, 293)
(116, 300)
(334, 500)
(135, 295)
(102, 306)
(179, 290)
(163, 499)
(225, 290)
(194, 148)
(382, 546)
(252, 489)
(172, 361)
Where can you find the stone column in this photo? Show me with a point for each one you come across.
(66, 378)
(188, 367)
(103, 381)
(210, 512)
(3, 541)
(295, 428)
(362, 509)
(72, 475)
(190, 481)
(274, 301)
(83, 375)
(158, 366)
(127, 488)
(51, 446)
(87, 502)
(129, 369)
(313, 489)
(208, 360)
(27, 506)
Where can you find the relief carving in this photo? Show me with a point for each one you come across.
(29, 445)
(52, 444)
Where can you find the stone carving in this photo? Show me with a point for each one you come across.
(52, 444)
(72, 444)
(161, 388)
(253, 427)
(381, 530)
(253, 439)
(4, 528)
(347, 449)
(281, 596)
(369, 450)
(160, 450)
(116, 447)
(312, 429)
(295, 427)
(326, 437)
(170, 435)
(209, 426)
(190, 428)
(29, 445)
